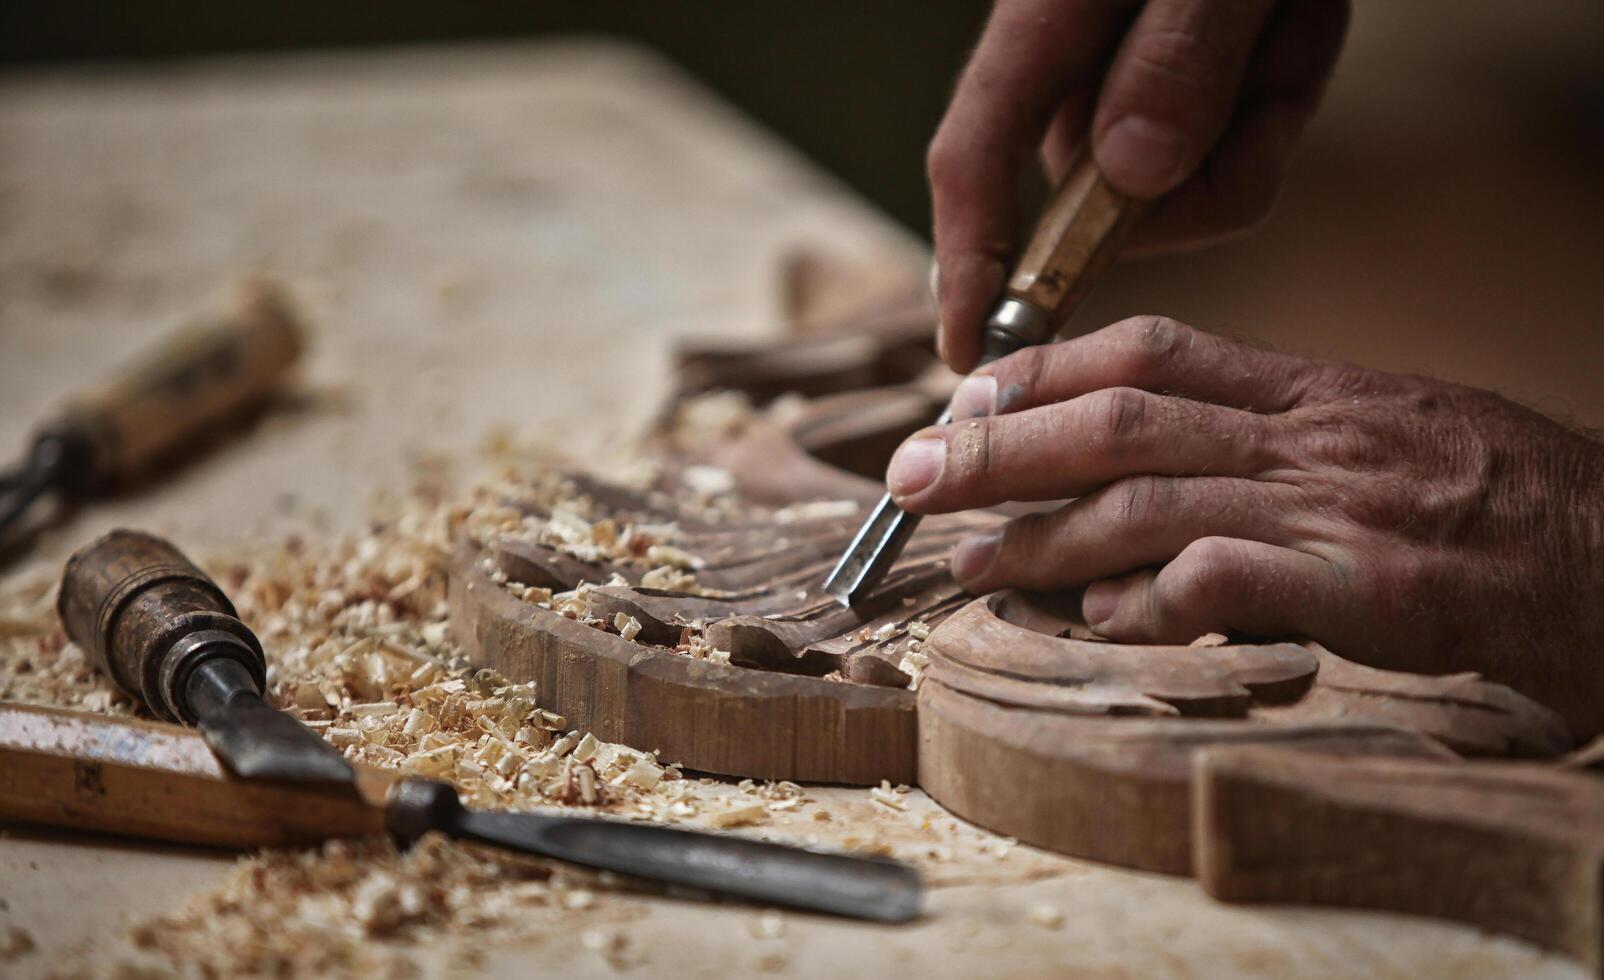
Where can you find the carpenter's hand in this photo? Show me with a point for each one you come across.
(1199, 100)
(1402, 521)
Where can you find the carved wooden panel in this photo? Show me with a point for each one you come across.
(1025, 723)
(1087, 747)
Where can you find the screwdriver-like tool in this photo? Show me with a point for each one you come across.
(199, 378)
(1075, 241)
(167, 635)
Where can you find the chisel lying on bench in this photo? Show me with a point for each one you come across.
(168, 635)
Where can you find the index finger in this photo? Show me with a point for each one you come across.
(1150, 353)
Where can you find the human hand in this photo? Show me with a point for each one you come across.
(1402, 521)
(1197, 100)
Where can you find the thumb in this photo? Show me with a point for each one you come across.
(1172, 89)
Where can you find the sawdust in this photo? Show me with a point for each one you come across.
(356, 632)
(359, 648)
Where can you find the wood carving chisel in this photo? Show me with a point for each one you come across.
(200, 378)
(168, 636)
(1075, 241)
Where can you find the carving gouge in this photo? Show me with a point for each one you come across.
(1075, 241)
(167, 635)
(199, 378)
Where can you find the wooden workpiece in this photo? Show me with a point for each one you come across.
(1087, 747)
(1514, 848)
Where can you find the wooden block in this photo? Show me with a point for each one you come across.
(1514, 848)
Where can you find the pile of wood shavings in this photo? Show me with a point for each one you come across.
(319, 912)
(358, 648)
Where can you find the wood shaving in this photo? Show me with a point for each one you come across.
(627, 626)
(359, 648)
(318, 911)
(914, 663)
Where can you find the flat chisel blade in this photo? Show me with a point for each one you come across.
(259, 742)
(754, 870)
(877, 546)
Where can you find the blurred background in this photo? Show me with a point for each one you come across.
(487, 207)
(1444, 215)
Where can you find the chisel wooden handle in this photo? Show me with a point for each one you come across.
(146, 616)
(82, 771)
(1077, 237)
(200, 377)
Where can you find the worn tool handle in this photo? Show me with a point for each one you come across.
(199, 378)
(147, 779)
(838, 884)
(1077, 238)
(146, 616)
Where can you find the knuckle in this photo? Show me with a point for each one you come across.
(1179, 58)
(1026, 554)
(1136, 501)
(1335, 437)
(1204, 573)
(1020, 375)
(1403, 583)
(1149, 344)
(1119, 417)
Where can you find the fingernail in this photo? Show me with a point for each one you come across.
(1142, 156)
(941, 341)
(1100, 602)
(976, 396)
(935, 280)
(975, 554)
(916, 465)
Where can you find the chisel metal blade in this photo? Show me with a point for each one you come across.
(259, 742)
(836, 884)
(876, 547)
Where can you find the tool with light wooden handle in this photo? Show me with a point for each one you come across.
(200, 378)
(1076, 239)
(61, 768)
(158, 781)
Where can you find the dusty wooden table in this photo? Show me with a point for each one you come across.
(504, 237)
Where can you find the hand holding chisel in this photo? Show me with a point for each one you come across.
(167, 635)
(1076, 240)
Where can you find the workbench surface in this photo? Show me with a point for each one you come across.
(505, 237)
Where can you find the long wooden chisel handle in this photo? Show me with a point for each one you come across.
(82, 771)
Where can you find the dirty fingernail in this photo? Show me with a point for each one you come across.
(976, 396)
(916, 466)
(1144, 157)
(1100, 602)
(975, 554)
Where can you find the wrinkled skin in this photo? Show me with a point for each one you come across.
(1199, 102)
(1402, 521)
